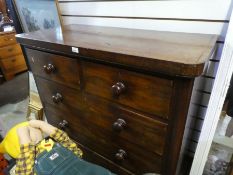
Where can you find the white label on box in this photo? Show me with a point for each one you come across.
(75, 49)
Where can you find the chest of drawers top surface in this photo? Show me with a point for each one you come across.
(171, 53)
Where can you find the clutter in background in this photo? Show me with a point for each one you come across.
(218, 160)
(220, 156)
(3, 164)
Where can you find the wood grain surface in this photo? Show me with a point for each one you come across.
(66, 70)
(167, 52)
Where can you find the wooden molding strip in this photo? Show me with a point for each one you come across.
(151, 18)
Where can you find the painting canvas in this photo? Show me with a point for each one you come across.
(37, 14)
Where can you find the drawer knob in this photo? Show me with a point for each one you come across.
(119, 125)
(118, 88)
(121, 155)
(57, 98)
(63, 124)
(49, 68)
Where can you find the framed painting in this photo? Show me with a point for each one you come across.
(37, 14)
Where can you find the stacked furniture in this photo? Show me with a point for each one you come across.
(122, 94)
(11, 57)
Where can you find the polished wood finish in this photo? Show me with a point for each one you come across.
(101, 80)
(170, 53)
(11, 58)
(101, 113)
(122, 94)
(106, 142)
(96, 158)
(68, 97)
(58, 68)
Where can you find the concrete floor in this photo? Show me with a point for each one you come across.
(13, 102)
(14, 90)
(12, 114)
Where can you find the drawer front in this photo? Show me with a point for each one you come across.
(10, 50)
(54, 67)
(93, 157)
(120, 123)
(14, 64)
(142, 92)
(7, 39)
(105, 142)
(58, 95)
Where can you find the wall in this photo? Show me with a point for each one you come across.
(209, 17)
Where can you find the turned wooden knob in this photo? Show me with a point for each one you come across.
(57, 98)
(118, 88)
(121, 155)
(49, 68)
(63, 124)
(119, 125)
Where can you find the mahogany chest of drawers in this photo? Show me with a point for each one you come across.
(11, 57)
(121, 94)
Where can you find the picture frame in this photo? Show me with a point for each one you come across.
(38, 14)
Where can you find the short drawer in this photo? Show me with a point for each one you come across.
(59, 95)
(14, 64)
(145, 93)
(58, 68)
(7, 39)
(10, 50)
(137, 160)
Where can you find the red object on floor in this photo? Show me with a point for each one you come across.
(3, 164)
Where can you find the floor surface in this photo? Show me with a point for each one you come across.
(13, 102)
(14, 90)
(12, 114)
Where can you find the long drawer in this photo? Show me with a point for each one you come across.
(54, 67)
(122, 123)
(93, 157)
(9, 51)
(145, 93)
(83, 127)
